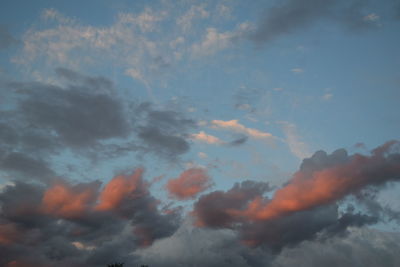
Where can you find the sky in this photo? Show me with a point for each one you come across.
(200, 133)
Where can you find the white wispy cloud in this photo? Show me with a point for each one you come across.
(215, 41)
(293, 140)
(235, 126)
(127, 44)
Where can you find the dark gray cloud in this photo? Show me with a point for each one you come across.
(362, 247)
(24, 166)
(290, 16)
(85, 116)
(97, 84)
(6, 39)
(37, 227)
(238, 141)
(300, 210)
(212, 209)
(77, 118)
(164, 131)
(191, 246)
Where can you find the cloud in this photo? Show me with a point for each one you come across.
(235, 126)
(189, 184)
(195, 12)
(297, 70)
(296, 146)
(305, 207)
(327, 96)
(22, 166)
(128, 41)
(312, 188)
(213, 140)
(83, 115)
(74, 225)
(192, 247)
(291, 16)
(368, 248)
(239, 141)
(212, 209)
(119, 188)
(66, 201)
(214, 41)
(206, 138)
(6, 39)
(164, 131)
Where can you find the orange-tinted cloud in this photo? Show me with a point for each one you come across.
(190, 183)
(119, 188)
(144, 235)
(307, 189)
(207, 138)
(25, 263)
(8, 234)
(69, 201)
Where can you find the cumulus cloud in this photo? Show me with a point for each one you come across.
(189, 184)
(85, 115)
(345, 175)
(306, 205)
(75, 225)
(368, 248)
(164, 131)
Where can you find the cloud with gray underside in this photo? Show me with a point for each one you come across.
(86, 115)
(291, 16)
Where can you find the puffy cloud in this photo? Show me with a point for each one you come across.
(189, 184)
(73, 225)
(362, 247)
(190, 246)
(119, 188)
(213, 209)
(307, 189)
(305, 207)
(68, 201)
(164, 131)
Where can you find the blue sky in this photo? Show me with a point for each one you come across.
(234, 90)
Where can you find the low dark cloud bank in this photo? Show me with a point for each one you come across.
(81, 224)
(47, 220)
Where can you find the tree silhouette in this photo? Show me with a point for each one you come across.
(116, 265)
